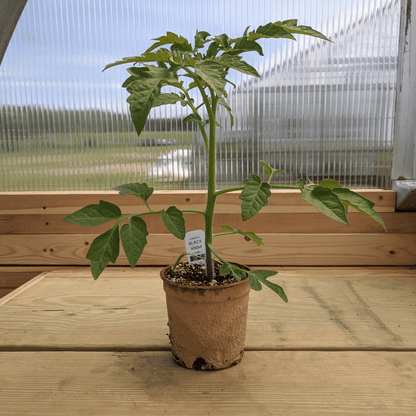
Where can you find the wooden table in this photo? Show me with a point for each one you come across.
(345, 344)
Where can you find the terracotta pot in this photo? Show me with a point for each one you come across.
(207, 324)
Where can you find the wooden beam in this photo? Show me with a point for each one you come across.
(329, 308)
(278, 249)
(295, 383)
(307, 223)
(282, 201)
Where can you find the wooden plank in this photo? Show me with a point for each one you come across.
(396, 223)
(28, 269)
(281, 249)
(4, 292)
(64, 203)
(15, 279)
(22, 288)
(329, 308)
(264, 383)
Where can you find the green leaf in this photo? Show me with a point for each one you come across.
(144, 91)
(235, 62)
(213, 49)
(227, 228)
(128, 60)
(235, 270)
(133, 237)
(270, 31)
(200, 39)
(254, 196)
(104, 248)
(162, 55)
(284, 30)
(269, 170)
(261, 276)
(213, 73)
(174, 222)
(128, 81)
(253, 237)
(238, 273)
(325, 201)
(292, 27)
(166, 74)
(193, 118)
(180, 258)
(166, 99)
(254, 282)
(245, 45)
(170, 39)
(223, 103)
(249, 234)
(95, 214)
(330, 183)
(225, 268)
(142, 190)
(359, 203)
(223, 40)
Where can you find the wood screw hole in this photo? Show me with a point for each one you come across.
(392, 252)
(86, 243)
(51, 250)
(46, 223)
(380, 198)
(247, 238)
(187, 199)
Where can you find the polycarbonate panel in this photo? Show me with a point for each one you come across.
(320, 109)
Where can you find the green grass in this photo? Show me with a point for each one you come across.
(36, 167)
(85, 140)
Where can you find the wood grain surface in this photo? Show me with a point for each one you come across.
(345, 344)
(278, 249)
(307, 223)
(265, 383)
(288, 201)
(329, 308)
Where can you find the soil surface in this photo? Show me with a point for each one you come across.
(194, 275)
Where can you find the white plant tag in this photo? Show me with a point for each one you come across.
(195, 246)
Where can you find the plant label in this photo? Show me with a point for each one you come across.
(195, 246)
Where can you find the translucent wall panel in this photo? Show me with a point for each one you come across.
(320, 109)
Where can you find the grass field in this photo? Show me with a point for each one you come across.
(102, 161)
(107, 161)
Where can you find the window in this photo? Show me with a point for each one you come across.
(320, 109)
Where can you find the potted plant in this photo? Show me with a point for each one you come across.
(208, 311)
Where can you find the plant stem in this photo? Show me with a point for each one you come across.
(195, 111)
(195, 211)
(240, 188)
(224, 191)
(140, 214)
(284, 187)
(211, 195)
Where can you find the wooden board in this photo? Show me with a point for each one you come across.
(264, 383)
(288, 201)
(396, 223)
(329, 308)
(13, 277)
(278, 249)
